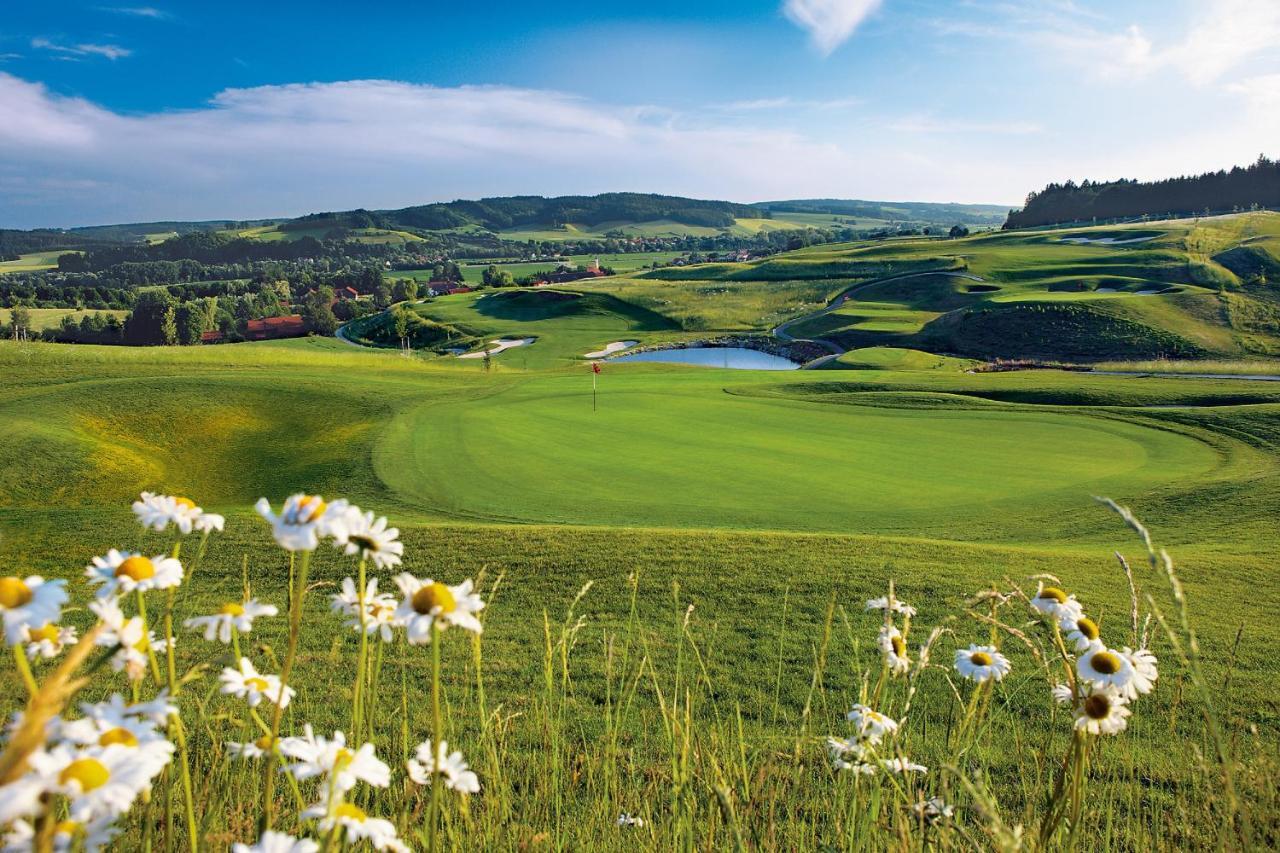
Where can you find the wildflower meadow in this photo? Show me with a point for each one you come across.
(140, 722)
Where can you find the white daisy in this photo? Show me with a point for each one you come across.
(882, 603)
(1144, 670)
(933, 810)
(239, 616)
(135, 733)
(68, 835)
(159, 511)
(982, 663)
(371, 538)
(902, 765)
(871, 725)
(427, 600)
(861, 768)
(30, 603)
(330, 758)
(1107, 668)
(1082, 632)
(380, 609)
(1062, 694)
(626, 819)
(1056, 604)
(453, 769)
(249, 749)
(303, 520)
(116, 712)
(126, 572)
(245, 682)
(381, 834)
(48, 641)
(98, 781)
(1103, 712)
(277, 842)
(130, 635)
(894, 649)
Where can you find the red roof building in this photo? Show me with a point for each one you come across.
(269, 328)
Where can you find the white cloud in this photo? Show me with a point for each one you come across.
(139, 12)
(786, 103)
(110, 51)
(932, 124)
(293, 149)
(829, 22)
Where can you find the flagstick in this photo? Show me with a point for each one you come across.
(594, 375)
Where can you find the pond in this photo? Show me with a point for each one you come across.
(738, 358)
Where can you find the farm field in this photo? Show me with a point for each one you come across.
(51, 318)
(32, 261)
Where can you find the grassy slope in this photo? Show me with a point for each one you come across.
(1038, 296)
(940, 479)
(33, 261)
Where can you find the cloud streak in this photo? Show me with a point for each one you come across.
(829, 23)
(85, 49)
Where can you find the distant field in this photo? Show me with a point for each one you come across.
(33, 262)
(274, 234)
(49, 318)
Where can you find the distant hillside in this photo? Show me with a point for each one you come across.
(497, 214)
(1218, 192)
(891, 211)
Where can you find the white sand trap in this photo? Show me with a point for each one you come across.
(1105, 290)
(1105, 241)
(1148, 292)
(610, 349)
(498, 346)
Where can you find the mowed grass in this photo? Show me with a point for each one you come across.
(773, 504)
(51, 318)
(33, 262)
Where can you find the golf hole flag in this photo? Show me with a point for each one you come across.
(595, 371)
(595, 367)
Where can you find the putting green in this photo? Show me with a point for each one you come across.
(671, 451)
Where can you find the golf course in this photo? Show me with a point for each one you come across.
(732, 521)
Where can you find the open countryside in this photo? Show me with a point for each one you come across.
(627, 520)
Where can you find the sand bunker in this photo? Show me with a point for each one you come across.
(1105, 241)
(610, 349)
(1105, 290)
(498, 346)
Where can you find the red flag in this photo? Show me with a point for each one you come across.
(595, 367)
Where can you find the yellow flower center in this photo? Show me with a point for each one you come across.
(14, 592)
(899, 647)
(124, 737)
(1097, 706)
(137, 568)
(89, 773)
(67, 827)
(980, 659)
(1054, 593)
(310, 507)
(232, 610)
(185, 503)
(352, 812)
(258, 684)
(144, 643)
(364, 543)
(434, 595)
(1106, 663)
(263, 742)
(1087, 627)
(48, 632)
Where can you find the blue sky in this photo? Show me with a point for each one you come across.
(132, 111)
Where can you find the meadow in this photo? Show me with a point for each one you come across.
(731, 525)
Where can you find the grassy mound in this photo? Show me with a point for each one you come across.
(379, 330)
(1063, 331)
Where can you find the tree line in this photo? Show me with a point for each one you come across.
(1240, 188)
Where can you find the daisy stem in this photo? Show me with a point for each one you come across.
(20, 658)
(437, 731)
(146, 637)
(357, 711)
(175, 723)
(296, 591)
(235, 643)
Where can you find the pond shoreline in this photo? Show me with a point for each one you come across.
(799, 352)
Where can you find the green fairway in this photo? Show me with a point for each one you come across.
(32, 261)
